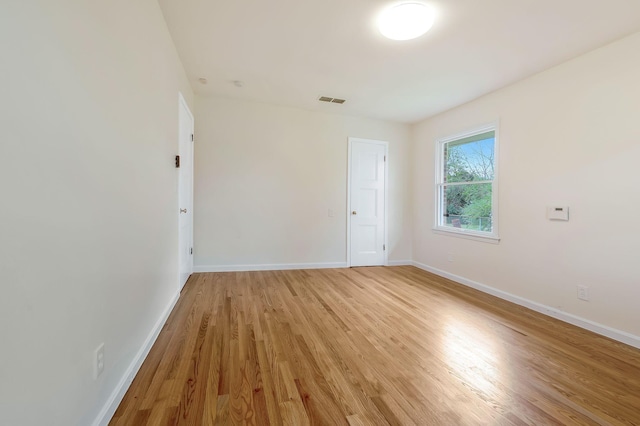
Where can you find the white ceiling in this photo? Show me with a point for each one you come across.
(289, 52)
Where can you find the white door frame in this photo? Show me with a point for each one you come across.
(386, 197)
(182, 103)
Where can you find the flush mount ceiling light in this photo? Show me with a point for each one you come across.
(405, 21)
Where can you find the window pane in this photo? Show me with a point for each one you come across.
(470, 159)
(468, 206)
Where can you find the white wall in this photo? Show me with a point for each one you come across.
(569, 135)
(88, 220)
(265, 177)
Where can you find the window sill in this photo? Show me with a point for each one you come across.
(469, 235)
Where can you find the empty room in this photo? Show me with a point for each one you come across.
(362, 212)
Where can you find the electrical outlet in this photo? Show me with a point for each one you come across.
(583, 293)
(331, 213)
(98, 361)
(450, 257)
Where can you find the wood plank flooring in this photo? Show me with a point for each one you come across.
(373, 346)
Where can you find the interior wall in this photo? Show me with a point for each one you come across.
(88, 224)
(266, 177)
(568, 136)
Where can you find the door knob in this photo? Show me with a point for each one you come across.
(354, 213)
(183, 210)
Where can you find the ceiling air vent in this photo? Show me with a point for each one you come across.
(332, 100)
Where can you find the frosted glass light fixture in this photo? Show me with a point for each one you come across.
(406, 20)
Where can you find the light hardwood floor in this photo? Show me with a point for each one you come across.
(377, 346)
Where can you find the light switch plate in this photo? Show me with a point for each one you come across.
(98, 361)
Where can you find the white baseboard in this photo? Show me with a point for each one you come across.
(400, 262)
(595, 327)
(283, 266)
(114, 400)
(267, 267)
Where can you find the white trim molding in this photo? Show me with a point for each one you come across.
(268, 267)
(115, 399)
(400, 262)
(603, 330)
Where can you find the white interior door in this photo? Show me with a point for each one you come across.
(185, 193)
(367, 202)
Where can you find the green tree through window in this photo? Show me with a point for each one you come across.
(466, 184)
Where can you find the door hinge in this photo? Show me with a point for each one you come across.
(191, 137)
(191, 250)
(384, 247)
(177, 161)
(385, 158)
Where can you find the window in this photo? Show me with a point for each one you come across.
(466, 184)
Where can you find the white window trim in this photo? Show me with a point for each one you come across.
(492, 237)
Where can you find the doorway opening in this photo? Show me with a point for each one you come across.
(367, 202)
(185, 192)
